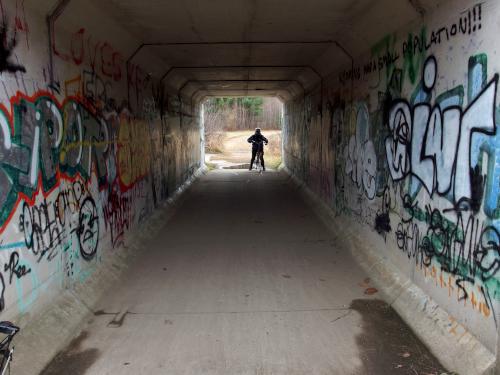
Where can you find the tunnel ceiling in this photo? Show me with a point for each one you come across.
(258, 47)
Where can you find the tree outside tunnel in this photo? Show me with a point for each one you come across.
(229, 121)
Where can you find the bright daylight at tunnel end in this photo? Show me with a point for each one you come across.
(249, 187)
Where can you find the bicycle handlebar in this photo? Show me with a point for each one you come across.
(8, 328)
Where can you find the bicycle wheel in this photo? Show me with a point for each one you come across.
(5, 369)
(258, 165)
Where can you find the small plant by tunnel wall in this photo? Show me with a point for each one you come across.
(409, 147)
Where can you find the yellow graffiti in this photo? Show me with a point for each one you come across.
(133, 155)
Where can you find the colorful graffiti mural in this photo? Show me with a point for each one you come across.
(88, 149)
(73, 182)
(412, 151)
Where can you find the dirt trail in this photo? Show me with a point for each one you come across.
(237, 151)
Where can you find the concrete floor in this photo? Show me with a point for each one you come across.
(244, 279)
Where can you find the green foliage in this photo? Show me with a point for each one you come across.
(241, 113)
(252, 104)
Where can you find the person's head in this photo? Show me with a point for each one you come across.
(257, 130)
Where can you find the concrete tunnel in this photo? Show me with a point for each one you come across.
(375, 249)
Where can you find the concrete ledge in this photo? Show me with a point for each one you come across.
(44, 335)
(427, 319)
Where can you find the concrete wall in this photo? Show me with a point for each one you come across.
(87, 153)
(406, 142)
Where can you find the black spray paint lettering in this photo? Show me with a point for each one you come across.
(95, 88)
(69, 200)
(76, 201)
(88, 229)
(469, 22)
(353, 74)
(465, 248)
(2, 293)
(386, 60)
(42, 232)
(45, 225)
(382, 218)
(15, 268)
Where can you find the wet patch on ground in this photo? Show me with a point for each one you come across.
(73, 359)
(388, 346)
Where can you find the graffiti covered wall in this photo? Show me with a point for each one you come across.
(87, 151)
(408, 145)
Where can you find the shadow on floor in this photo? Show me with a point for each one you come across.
(73, 359)
(388, 346)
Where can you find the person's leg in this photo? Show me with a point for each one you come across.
(262, 160)
(254, 152)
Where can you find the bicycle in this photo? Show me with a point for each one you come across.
(258, 159)
(7, 352)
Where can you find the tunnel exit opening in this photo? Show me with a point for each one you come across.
(228, 122)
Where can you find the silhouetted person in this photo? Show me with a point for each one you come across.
(257, 140)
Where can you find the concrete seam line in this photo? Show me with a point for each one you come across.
(291, 311)
(424, 316)
(395, 299)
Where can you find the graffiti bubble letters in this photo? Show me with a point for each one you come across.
(433, 143)
(43, 142)
(360, 157)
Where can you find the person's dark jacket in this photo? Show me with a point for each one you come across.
(257, 141)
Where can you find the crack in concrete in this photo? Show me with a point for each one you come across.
(342, 316)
